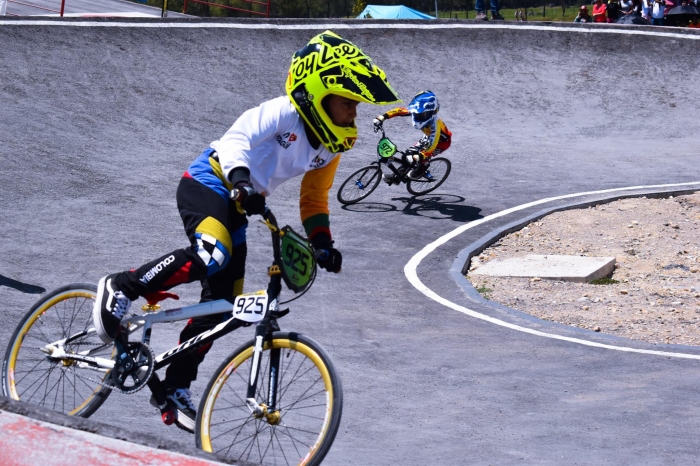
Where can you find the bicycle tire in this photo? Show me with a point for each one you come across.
(313, 418)
(28, 375)
(359, 185)
(441, 167)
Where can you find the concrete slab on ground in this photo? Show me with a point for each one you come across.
(552, 267)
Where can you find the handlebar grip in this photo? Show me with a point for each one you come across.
(320, 254)
(235, 194)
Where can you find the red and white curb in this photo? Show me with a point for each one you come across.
(26, 441)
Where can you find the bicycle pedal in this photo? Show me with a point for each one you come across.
(169, 416)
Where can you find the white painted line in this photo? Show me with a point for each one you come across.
(354, 25)
(412, 275)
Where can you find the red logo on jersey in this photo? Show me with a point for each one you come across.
(285, 140)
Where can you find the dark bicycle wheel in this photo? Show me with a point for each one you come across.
(31, 376)
(436, 174)
(309, 405)
(359, 185)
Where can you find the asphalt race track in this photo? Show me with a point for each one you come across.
(98, 120)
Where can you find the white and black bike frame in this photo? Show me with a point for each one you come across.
(259, 308)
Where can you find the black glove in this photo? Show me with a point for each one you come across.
(378, 123)
(412, 154)
(332, 261)
(252, 201)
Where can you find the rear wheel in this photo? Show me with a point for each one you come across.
(32, 376)
(433, 177)
(309, 405)
(359, 185)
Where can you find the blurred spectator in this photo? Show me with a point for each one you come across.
(657, 13)
(481, 12)
(583, 16)
(613, 10)
(599, 10)
(637, 7)
(669, 5)
(694, 22)
(646, 9)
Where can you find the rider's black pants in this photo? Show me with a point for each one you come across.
(216, 256)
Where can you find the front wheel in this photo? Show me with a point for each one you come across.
(359, 185)
(436, 174)
(32, 376)
(309, 405)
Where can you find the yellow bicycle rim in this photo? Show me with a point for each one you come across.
(239, 360)
(25, 329)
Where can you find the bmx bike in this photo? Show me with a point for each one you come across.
(277, 399)
(364, 181)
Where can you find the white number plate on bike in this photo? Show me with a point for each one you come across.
(250, 307)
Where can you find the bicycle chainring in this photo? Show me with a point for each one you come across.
(132, 373)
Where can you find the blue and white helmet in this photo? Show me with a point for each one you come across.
(423, 109)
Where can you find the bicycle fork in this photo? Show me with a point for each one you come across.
(269, 409)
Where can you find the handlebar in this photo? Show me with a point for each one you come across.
(271, 221)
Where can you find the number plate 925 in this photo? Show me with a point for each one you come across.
(250, 307)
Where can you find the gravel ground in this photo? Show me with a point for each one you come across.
(655, 241)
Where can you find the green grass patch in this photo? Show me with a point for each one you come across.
(604, 281)
(485, 291)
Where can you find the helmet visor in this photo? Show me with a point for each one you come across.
(422, 117)
(371, 89)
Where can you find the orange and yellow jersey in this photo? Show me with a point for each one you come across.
(313, 201)
(437, 138)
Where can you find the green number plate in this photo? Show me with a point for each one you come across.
(386, 148)
(298, 264)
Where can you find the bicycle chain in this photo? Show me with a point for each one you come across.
(113, 388)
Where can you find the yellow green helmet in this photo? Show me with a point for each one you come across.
(327, 65)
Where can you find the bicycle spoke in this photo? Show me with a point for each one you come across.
(221, 423)
(240, 428)
(60, 321)
(40, 328)
(17, 382)
(241, 407)
(62, 383)
(287, 428)
(45, 385)
(274, 434)
(306, 398)
(44, 340)
(267, 448)
(234, 440)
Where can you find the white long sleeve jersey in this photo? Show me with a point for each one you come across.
(270, 140)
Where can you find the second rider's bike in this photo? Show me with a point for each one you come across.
(277, 399)
(364, 181)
